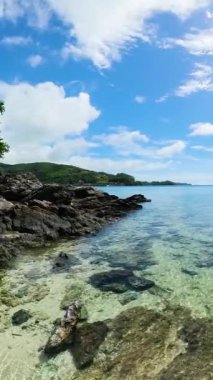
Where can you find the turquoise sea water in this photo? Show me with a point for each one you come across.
(169, 241)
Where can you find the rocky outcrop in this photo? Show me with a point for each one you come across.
(32, 214)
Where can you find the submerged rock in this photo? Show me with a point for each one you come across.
(87, 340)
(119, 281)
(64, 262)
(21, 316)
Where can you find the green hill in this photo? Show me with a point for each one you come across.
(49, 173)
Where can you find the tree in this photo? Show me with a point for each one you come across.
(4, 148)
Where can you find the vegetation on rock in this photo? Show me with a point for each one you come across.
(4, 148)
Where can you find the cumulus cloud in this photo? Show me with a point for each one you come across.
(40, 118)
(197, 42)
(35, 60)
(133, 143)
(201, 129)
(100, 30)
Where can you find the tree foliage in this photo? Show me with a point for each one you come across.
(4, 148)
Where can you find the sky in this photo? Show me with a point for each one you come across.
(110, 85)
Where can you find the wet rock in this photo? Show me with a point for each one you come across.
(87, 340)
(64, 262)
(21, 316)
(139, 198)
(119, 281)
(62, 335)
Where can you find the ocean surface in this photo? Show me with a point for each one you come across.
(169, 241)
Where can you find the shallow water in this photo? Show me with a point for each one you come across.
(170, 242)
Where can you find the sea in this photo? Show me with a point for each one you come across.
(169, 241)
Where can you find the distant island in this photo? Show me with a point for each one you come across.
(48, 172)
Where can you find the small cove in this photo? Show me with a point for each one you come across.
(170, 242)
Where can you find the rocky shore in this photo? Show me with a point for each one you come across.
(33, 215)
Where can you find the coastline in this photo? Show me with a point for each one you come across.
(128, 332)
(32, 214)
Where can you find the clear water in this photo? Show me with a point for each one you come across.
(169, 241)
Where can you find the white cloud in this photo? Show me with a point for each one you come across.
(103, 30)
(200, 80)
(110, 165)
(125, 142)
(100, 30)
(209, 14)
(36, 11)
(171, 150)
(15, 40)
(35, 60)
(40, 117)
(198, 42)
(201, 129)
(133, 143)
(162, 99)
(140, 99)
(203, 148)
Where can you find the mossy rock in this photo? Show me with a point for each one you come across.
(146, 344)
(72, 293)
(7, 299)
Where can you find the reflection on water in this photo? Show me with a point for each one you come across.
(170, 242)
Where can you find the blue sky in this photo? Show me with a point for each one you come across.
(119, 86)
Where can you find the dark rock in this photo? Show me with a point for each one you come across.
(140, 283)
(15, 187)
(42, 213)
(21, 316)
(64, 262)
(138, 198)
(87, 340)
(119, 281)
